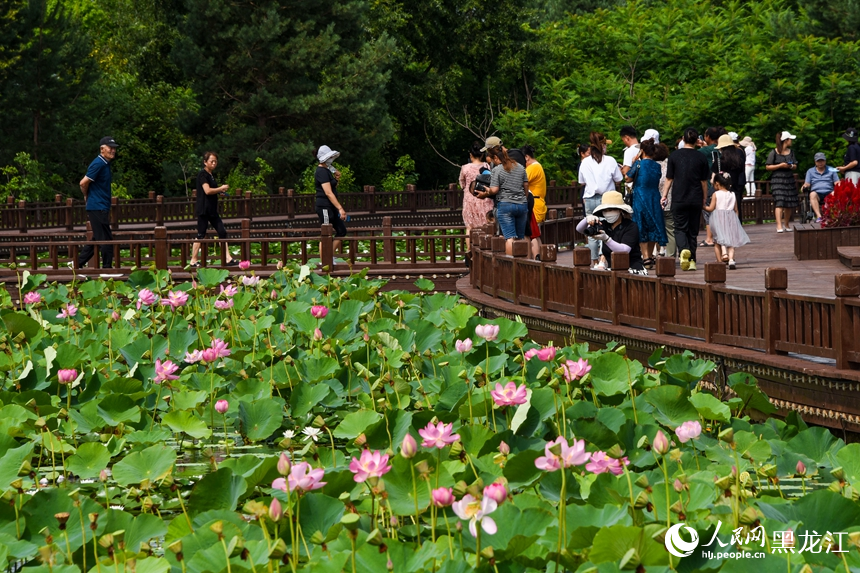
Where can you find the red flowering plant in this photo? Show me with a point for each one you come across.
(842, 207)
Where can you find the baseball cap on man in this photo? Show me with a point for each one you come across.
(651, 134)
(109, 141)
(820, 157)
(785, 135)
(491, 142)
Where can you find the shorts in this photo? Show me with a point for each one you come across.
(330, 216)
(513, 218)
(203, 222)
(822, 196)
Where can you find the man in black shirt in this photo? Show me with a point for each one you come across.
(207, 207)
(687, 176)
(851, 164)
(328, 207)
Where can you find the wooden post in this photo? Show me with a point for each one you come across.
(847, 286)
(159, 211)
(161, 248)
(388, 246)
(413, 198)
(326, 248)
(581, 262)
(620, 265)
(22, 216)
(282, 209)
(775, 282)
(248, 206)
(245, 226)
(370, 198)
(114, 212)
(451, 199)
(475, 270)
(70, 221)
(291, 203)
(715, 273)
(665, 269)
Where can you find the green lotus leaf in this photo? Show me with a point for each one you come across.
(187, 422)
(212, 277)
(118, 408)
(90, 459)
(261, 418)
(356, 423)
(153, 464)
(710, 407)
(319, 513)
(305, 397)
(218, 490)
(672, 405)
(612, 544)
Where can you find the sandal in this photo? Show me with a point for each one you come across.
(706, 244)
(649, 263)
(232, 263)
(725, 258)
(195, 265)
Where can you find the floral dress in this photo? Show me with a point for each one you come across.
(474, 209)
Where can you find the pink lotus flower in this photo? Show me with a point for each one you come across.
(370, 464)
(32, 297)
(799, 469)
(244, 265)
(280, 483)
(304, 478)
(442, 497)
(165, 371)
(67, 375)
(568, 456)
(688, 431)
(575, 370)
(69, 310)
(220, 347)
(273, 295)
(510, 394)
(175, 299)
(463, 346)
(250, 281)
(319, 311)
(115, 316)
(284, 464)
(192, 357)
(476, 512)
(661, 443)
(318, 335)
(547, 354)
(228, 291)
(221, 406)
(497, 492)
(224, 304)
(600, 463)
(488, 332)
(209, 355)
(409, 447)
(438, 436)
(276, 512)
(146, 298)
(530, 353)
(504, 448)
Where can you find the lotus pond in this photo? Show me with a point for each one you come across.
(301, 423)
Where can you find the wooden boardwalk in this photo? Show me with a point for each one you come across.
(767, 248)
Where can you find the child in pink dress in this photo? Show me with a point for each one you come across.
(725, 222)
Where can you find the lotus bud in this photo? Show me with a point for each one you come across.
(389, 565)
(679, 487)
(275, 510)
(800, 468)
(409, 447)
(318, 335)
(727, 435)
(504, 448)
(661, 443)
(284, 464)
(221, 406)
(103, 476)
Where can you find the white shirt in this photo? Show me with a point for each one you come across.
(630, 154)
(750, 155)
(598, 178)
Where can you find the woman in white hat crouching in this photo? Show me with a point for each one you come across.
(612, 224)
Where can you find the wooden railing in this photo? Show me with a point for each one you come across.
(68, 214)
(771, 321)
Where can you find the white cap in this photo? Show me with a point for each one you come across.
(681, 144)
(785, 135)
(734, 136)
(651, 134)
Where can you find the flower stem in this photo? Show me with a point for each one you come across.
(415, 495)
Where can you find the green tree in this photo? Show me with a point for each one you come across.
(277, 79)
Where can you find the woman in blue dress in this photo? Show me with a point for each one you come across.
(647, 211)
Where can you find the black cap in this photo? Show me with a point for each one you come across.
(850, 135)
(109, 141)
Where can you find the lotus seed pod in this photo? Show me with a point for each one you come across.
(641, 500)
(375, 538)
(838, 473)
(727, 435)
(642, 481)
(677, 508)
(279, 549)
(749, 516)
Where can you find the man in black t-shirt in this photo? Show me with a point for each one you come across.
(207, 208)
(851, 164)
(687, 176)
(328, 207)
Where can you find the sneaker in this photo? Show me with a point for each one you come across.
(685, 259)
(818, 220)
(732, 264)
(692, 266)
(780, 230)
(599, 266)
(788, 229)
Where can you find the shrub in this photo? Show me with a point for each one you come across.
(27, 180)
(240, 178)
(403, 175)
(842, 207)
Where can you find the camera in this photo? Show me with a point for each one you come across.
(596, 229)
(481, 183)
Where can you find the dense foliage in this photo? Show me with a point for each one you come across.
(384, 79)
(301, 423)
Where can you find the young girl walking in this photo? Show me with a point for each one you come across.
(725, 222)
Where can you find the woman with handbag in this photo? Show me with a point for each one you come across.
(782, 164)
(645, 174)
(474, 209)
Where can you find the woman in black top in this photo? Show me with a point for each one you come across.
(619, 233)
(782, 164)
(207, 207)
(328, 207)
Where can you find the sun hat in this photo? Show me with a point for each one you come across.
(785, 135)
(820, 157)
(651, 134)
(491, 142)
(326, 153)
(734, 136)
(747, 142)
(850, 135)
(725, 141)
(613, 200)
